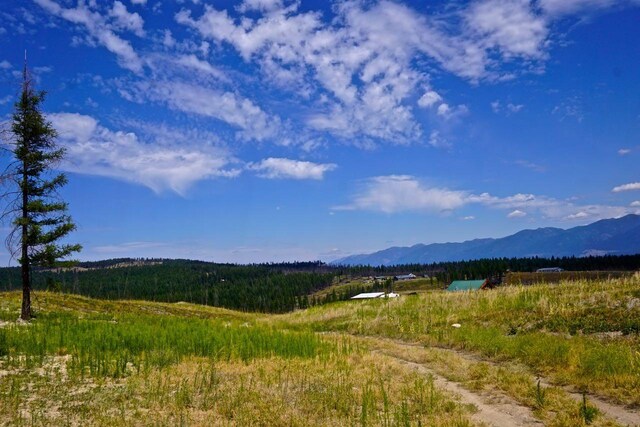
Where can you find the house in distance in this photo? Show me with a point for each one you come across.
(405, 276)
(469, 285)
(371, 295)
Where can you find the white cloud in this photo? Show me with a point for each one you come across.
(438, 141)
(129, 247)
(429, 99)
(516, 214)
(280, 168)
(635, 204)
(362, 64)
(627, 187)
(565, 7)
(511, 108)
(578, 215)
(448, 112)
(624, 151)
(5, 65)
(167, 39)
(569, 108)
(192, 62)
(403, 193)
(399, 193)
(7, 99)
(99, 30)
(261, 5)
(139, 1)
(468, 218)
(509, 25)
(530, 165)
(125, 20)
(95, 150)
(228, 107)
(514, 108)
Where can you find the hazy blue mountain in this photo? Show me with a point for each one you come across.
(619, 236)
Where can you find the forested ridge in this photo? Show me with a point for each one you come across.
(276, 287)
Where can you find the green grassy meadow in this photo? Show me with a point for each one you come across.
(83, 361)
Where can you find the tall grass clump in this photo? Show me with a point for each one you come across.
(113, 348)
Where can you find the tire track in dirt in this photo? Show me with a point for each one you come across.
(619, 413)
(504, 413)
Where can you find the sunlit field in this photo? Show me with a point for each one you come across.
(554, 354)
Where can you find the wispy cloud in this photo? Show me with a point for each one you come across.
(516, 214)
(93, 149)
(564, 7)
(241, 113)
(627, 187)
(398, 193)
(403, 193)
(530, 165)
(102, 31)
(361, 65)
(280, 168)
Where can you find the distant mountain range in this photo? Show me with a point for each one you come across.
(619, 236)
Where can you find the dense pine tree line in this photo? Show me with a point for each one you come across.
(276, 287)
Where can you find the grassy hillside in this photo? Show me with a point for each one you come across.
(521, 356)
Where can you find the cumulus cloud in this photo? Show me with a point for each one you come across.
(429, 99)
(635, 204)
(93, 149)
(624, 151)
(627, 187)
(99, 30)
(516, 214)
(281, 168)
(404, 193)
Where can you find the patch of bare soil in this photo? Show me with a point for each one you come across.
(491, 411)
(619, 413)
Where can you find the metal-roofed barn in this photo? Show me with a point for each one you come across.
(368, 295)
(468, 285)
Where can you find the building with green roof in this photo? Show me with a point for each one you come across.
(468, 285)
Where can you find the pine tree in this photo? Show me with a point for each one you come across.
(39, 216)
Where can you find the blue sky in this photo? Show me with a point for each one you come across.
(270, 130)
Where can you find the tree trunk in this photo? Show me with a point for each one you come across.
(24, 260)
(26, 279)
(26, 294)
